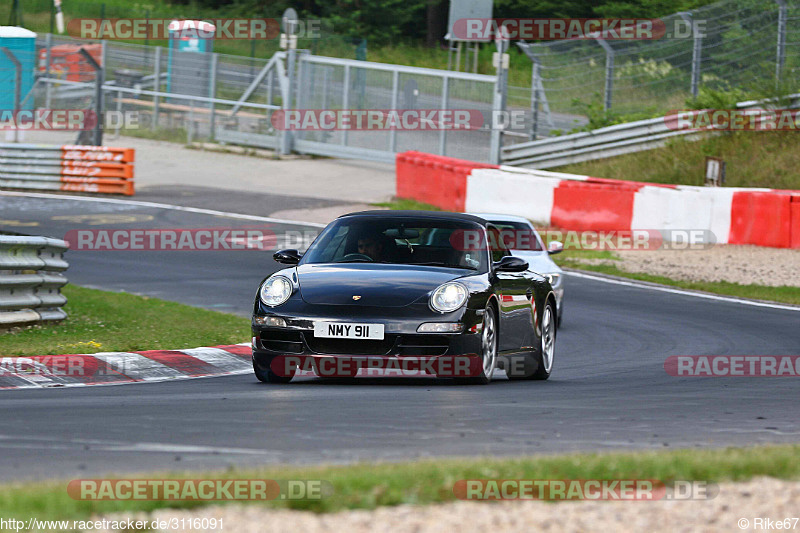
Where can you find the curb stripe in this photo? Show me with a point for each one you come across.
(191, 366)
(137, 367)
(218, 358)
(115, 368)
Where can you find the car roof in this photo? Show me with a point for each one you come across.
(441, 215)
(498, 216)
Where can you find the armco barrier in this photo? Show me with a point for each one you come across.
(763, 217)
(91, 169)
(31, 279)
(449, 188)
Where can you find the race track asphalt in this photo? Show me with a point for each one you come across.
(609, 390)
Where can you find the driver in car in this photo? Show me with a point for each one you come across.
(371, 246)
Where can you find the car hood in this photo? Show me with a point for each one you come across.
(377, 284)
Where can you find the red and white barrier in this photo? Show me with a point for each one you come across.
(112, 368)
(763, 217)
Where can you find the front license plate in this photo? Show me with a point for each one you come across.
(347, 330)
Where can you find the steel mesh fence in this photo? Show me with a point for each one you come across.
(734, 44)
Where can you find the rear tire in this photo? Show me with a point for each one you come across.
(268, 376)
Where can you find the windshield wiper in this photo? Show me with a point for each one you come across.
(444, 265)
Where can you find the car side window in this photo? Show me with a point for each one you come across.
(496, 245)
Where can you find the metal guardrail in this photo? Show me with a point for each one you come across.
(596, 144)
(93, 169)
(604, 142)
(31, 279)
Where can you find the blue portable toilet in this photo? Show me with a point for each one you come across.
(189, 65)
(21, 43)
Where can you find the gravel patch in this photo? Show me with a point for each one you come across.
(736, 264)
(758, 498)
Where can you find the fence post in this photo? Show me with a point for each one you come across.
(119, 115)
(697, 48)
(346, 99)
(17, 86)
(157, 87)
(535, 81)
(212, 93)
(498, 101)
(286, 138)
(442, 130)
(190, 129)
(609, 85)
(269, 87)
(48, 40)
(781, 52)
(103, 54)
(99, 103)
(395, 91)
(99, 78)
(301, 72)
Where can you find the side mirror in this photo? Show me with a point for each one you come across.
(555, 247)
(511, 264)
(287, 257)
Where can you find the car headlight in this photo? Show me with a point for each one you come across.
(554, 279)
(275, 290)
(449, 297)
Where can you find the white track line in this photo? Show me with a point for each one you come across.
(162, 206)
(728, 299)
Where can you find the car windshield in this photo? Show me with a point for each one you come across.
(403, 241)
(518, 236)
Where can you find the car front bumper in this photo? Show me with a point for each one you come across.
(401, 339)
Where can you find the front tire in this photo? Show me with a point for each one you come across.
(268, 376)
(488, 349)
(548, 343)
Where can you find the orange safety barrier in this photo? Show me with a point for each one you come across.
(593, 206)
(761, 218)
(794, 241)
(90, 169)
(97, 153)
(68, 63)
(434, 179)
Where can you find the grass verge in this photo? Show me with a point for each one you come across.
(367, 486)
(683, 162)
(101, 321)
(407, 203)
(783, 294)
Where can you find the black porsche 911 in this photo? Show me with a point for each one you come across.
(399, 286)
